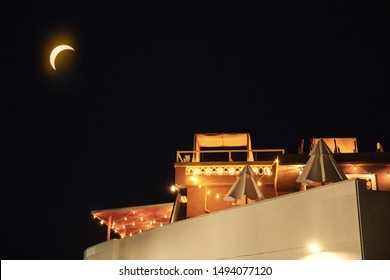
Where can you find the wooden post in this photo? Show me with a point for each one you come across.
(109, 222)
(205, 200)
(276, 175)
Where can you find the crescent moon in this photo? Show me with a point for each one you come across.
(56, 51)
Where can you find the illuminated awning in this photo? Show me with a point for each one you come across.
(133, 220)
(222, 140)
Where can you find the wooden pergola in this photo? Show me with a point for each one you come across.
(129, 221)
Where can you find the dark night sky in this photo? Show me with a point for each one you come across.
(102, 131)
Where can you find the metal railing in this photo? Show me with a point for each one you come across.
(228, 155)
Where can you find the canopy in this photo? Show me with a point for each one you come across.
(222, 140)
(132, 220)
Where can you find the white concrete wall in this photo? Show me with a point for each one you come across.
(279, 228)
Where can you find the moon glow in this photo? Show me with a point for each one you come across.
(56, 51)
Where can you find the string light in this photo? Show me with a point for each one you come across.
(194, 179)
(124, 225)
(267, 171)
(355, 169)
(120, 225)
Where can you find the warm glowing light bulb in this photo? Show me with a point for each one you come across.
(102, 222)
(314, 248)
(194, 179)
(217, 196)
(173, 188)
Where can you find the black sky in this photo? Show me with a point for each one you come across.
(102, 132)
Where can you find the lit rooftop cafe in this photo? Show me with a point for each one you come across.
(333, 191)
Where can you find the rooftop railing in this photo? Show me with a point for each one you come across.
(228, 155)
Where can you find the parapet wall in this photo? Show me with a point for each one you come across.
(281, 228)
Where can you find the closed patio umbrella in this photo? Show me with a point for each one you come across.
(244, 185)
(321, 166)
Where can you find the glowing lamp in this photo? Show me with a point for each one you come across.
(314, 248)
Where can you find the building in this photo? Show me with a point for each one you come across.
(344, 219)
